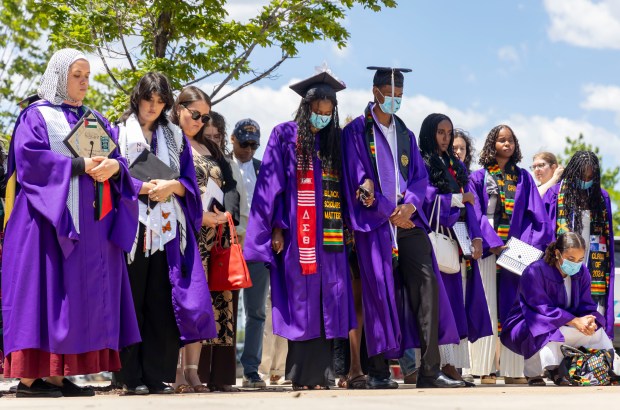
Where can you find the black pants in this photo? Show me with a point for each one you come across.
(155, 359)
(415, 266)
(218, 364)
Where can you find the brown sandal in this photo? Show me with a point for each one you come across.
(184, 388)
(357, 383)
(201, 388)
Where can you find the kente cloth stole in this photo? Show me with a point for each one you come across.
(507, 188)
(598, 254)
(333, 234)
(369, 134)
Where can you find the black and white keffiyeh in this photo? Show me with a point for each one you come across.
(53, 87)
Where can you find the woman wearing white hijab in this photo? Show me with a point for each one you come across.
(66, 297)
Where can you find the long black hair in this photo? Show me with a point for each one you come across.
(576, 199)
(488, 153)
(150, 83)
(433, 160)
(329, 143)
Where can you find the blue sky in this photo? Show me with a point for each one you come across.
(548, 68)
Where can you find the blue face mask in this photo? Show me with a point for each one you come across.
(387, 106)
(570, 268)
(319, 121)
(586, 184)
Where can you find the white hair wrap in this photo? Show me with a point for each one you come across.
(53, 86)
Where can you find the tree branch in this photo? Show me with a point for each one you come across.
(120, 33)
(105, 63)
(249, 82)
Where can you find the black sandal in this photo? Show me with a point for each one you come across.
(357, 383)
(536, 381)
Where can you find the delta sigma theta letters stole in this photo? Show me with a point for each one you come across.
(306, 218)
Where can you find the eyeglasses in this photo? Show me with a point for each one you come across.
(246, 144)
(196, 115)
(539, 166)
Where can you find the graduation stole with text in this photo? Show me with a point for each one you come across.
(333, 234)
(507, 189)
(598, 254)
(369, 134)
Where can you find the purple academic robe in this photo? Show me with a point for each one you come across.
(529, 223)
(191, 299)
(541, 309)
(472, 314)
(551, 203)
(64, 292)
(389, 323)
(302, 304)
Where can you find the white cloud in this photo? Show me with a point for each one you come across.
(601, 97)
(269, 107)
(508, 54)
(538, 133)
(243, 10)
(585, 23)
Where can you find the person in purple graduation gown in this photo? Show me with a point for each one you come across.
(385, 183)
(554, 307)
(448, 199)
(296, 227)
(170, 291)
(586, 209)
(66, 298)
(507, 205)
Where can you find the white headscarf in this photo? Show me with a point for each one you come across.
(53, 86)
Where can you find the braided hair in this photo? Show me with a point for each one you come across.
(329, 143)
(432, 158)
(576, 199)
(488, 153)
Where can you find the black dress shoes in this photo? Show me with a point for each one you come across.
(136, 388)
(377, 383)
(39, 388)
(160, 388)
(70, 389)
(438, 381)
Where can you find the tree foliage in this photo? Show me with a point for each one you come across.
(609, 176)
(188, 40)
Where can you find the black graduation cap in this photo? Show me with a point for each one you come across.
(383, 76)
(320, 79)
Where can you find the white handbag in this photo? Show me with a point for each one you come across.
(446, 248)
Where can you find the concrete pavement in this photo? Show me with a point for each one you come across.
(406, 397)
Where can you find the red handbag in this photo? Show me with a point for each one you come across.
(227, 267)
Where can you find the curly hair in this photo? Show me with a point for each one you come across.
(217, 120)
(150, 83)
(565, 241)
(470, 151)
(488, 153)
(577, 199)
(432, 158)
(329, 142)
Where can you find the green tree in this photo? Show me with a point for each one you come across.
(609, 176)
(188, 40)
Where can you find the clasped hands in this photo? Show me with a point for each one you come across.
(401, 217)
(586, 324)
(101, 168)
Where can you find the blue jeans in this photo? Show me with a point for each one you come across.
(254, 300)
(407, 362)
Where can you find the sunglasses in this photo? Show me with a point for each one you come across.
(196, 115)
(246, 144)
